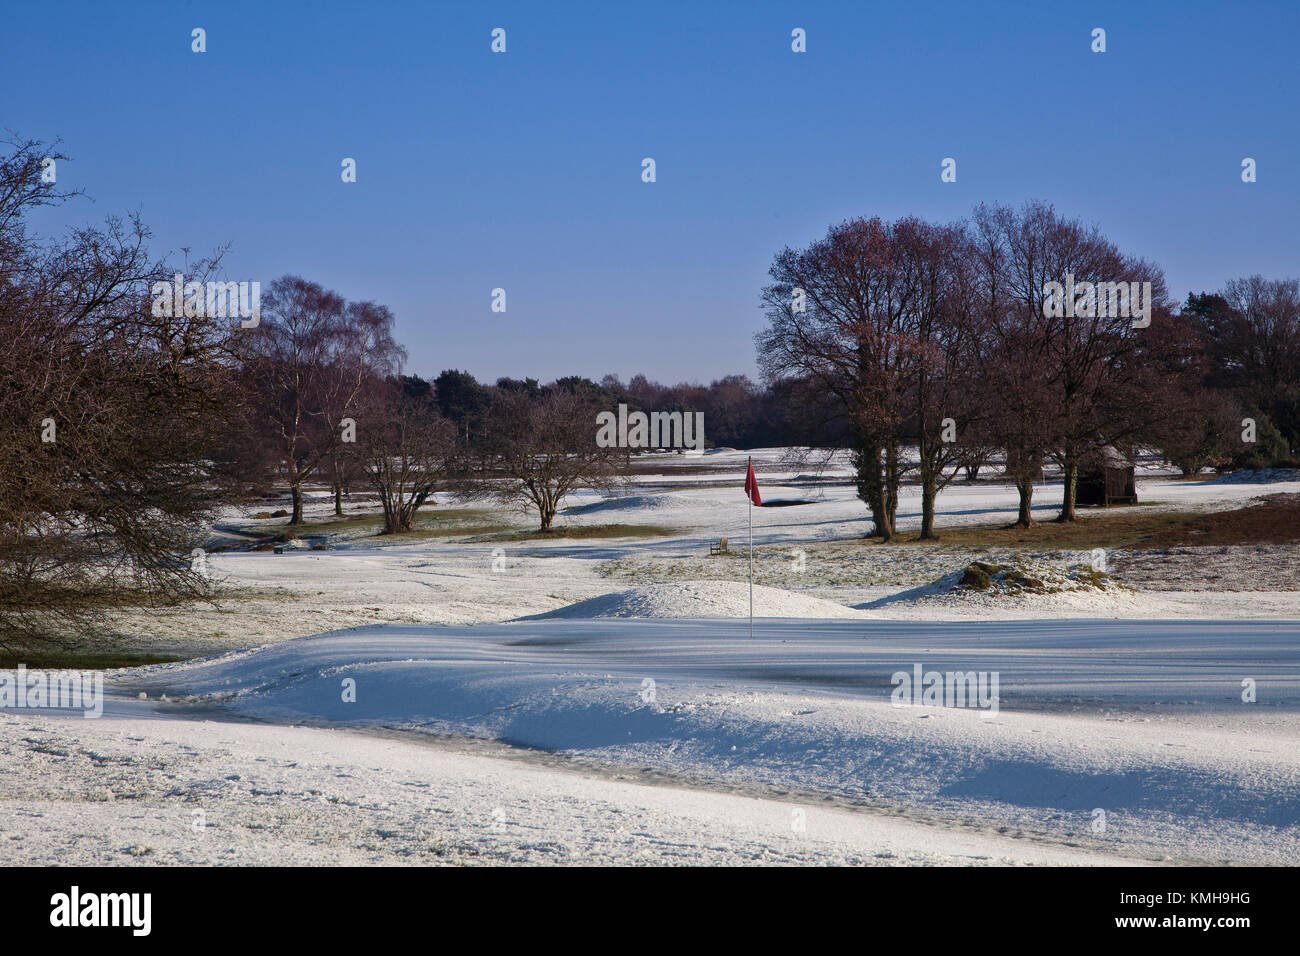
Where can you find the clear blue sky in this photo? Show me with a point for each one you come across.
(523, 170)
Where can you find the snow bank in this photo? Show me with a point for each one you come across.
(701, 599)
(1140, 717)
(353, 799)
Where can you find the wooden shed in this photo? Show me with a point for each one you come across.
(1106, 479)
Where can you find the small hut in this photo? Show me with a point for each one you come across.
(1105, 479)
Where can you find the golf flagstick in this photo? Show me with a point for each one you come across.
(751, 492)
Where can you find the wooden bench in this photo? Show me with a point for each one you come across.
(719, 548)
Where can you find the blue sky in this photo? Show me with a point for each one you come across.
(522, 170)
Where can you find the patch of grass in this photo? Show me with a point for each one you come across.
(1034, 579)
(334, 525)
(452, 531)
(1026, 582)
(82, 660)
(1092, 577)
(590, 531)
(976, 578)
(431, 523)
(1109, 529)
(1272, 520)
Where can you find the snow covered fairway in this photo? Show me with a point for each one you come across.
(685, 741)
(810, 557)
(274, 795)
(535, 699)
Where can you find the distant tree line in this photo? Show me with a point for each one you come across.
(737, 412)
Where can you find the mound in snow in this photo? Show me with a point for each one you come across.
(1025, 584)
(700, 599)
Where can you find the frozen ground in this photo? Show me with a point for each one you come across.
(1138, 724)
(300, 796)
(540, 741)
(814, 549)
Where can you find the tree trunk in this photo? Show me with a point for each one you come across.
(1025, 488)
(884, 523)
(931, 452)
(891, 486)
(1070, 485)
(338, 500)
(397, 520)
(295, 490)
(871, 488)
(929, 490)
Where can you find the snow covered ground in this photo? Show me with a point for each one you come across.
(814, 550)
(786, 747)
(187, 792)
(608, 704)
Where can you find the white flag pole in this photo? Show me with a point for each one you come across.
(750, 496)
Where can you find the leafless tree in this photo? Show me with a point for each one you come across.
(406, 449)
(1068, 382)
(367, 355)
(108, 417)
(947, 323)
(836, 312)
(539, 449)
(307, 367)
(885, 318)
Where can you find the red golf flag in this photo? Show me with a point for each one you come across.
(751, 485)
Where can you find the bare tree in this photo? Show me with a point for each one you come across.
(539, 449)
(406, 449)
(1075, 379)
(307, 368)
(884, 317)
(836, 313)
(109, 412)
(366, 355)
(946, 322)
